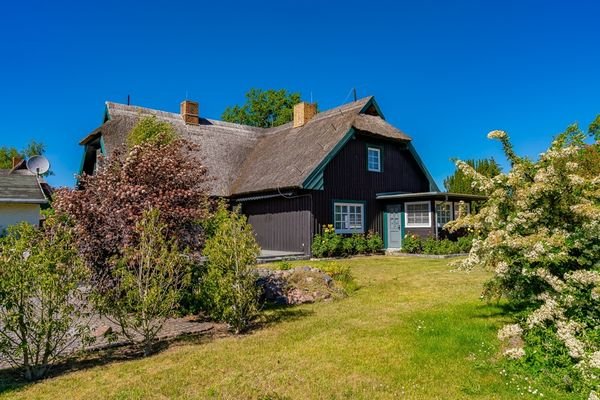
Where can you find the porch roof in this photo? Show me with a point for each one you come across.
(446, 196)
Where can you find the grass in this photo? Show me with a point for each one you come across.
(414, 329)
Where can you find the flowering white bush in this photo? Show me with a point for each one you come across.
(539, 231)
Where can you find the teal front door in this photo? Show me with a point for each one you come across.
(394, 227)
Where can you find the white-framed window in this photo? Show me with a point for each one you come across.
(349, 217)
(443, 213)
(418, 214)
(374, 159)
(457, 208)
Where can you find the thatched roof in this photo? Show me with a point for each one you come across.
(20, 186)
(245, 159)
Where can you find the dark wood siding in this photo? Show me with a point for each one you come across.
(280, 223)
(346, 178)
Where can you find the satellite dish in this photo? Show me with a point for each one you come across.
(38, 165)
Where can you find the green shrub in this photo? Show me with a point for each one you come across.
(334, 244)
(41, 302)
(412, 244)
(151, 129)
(331, 244)
(318, 246)
(464, 244)
(284, 265)
(150, 279)
(374, 242)
(415, 245)
(348, 248)
(341, 274)
(328, 243)
(360, 243)
(539, 233)
(228, 290)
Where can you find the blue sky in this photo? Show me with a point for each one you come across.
(446, 73)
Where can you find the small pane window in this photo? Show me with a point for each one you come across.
(349, 218)
(374, 159)
(443, 213)
(417, 214)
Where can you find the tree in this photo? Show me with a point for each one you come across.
(461, 183)
(539, 232)
(33, 148)
(42, 306)
(150, 278)
(263, 108)
(157, 174)
(229, 290)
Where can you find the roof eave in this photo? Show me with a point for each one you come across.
(434, 195)
(23, 201)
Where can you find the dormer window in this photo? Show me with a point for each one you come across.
(373, 159)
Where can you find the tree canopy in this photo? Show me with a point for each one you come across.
(7, 154)
(263, 108)
(159, 174)
(461, 183)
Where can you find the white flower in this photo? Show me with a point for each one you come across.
(510, 331)
(546, 312)
(566, 333)
(595, 360)
(496, 134)
(501, 268)
(514, 353)
(584, 277)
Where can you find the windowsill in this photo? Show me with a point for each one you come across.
(418, 226)
(349, 231)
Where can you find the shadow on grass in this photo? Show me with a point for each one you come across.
(11, 379)
(497, 309)
(276, 313)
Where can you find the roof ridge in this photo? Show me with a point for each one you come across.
(324, 114)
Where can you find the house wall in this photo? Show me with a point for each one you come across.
(280, 223)
(11, 214)
(346, 178)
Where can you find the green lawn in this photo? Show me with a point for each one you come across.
(415, 329)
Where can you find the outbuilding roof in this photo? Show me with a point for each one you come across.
(244, 159)
(20, 186)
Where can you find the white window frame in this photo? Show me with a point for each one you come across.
(419, 225)
(349, 204)
(437, 222)
(378, 150)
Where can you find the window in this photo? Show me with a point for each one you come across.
(467, 209)
(443, 213)
(349, 217)
(418, 214)
(374, 159)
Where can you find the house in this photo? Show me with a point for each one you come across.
(345, 166)
(21, 196)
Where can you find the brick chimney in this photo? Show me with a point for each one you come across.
(189, 112)
(303, 112)
(16, 161)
